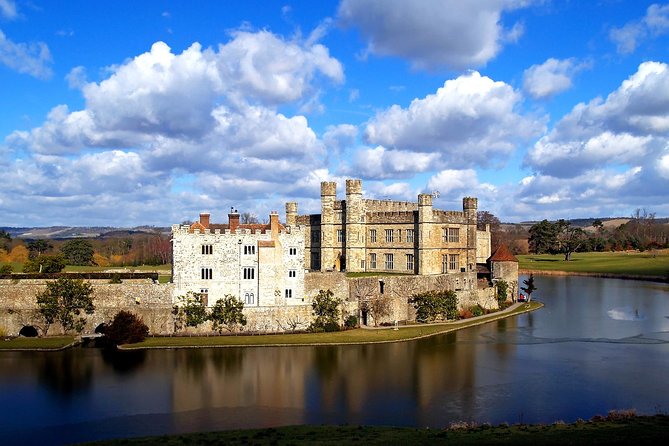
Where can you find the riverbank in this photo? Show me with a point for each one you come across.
(347, 337)
(634, 265)
(21, 343)
(618, 428)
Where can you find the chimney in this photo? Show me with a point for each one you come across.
(274, 223)
(204, 219)
(233, 219)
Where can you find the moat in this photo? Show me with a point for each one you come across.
(598, 344)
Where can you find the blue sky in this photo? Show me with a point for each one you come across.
(125, 113)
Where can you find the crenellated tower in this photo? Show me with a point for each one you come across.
(425, 246)
(354, 231)
(291, 214)
(328, 234)
(470, 207)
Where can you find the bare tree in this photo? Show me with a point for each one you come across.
(248, 218)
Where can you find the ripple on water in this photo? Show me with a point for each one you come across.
(625, 314)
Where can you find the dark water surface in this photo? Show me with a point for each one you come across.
(598, 344)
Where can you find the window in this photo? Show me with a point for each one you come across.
(315, 236)
(444, 235)
(292, 251)
(207, 249)
(444, 263)
(289, 293)
(340, 235)
(453, 262)
(453, 235)
(292, 273)
(362, 264)
(315, 260)
(372, 235)
(249, 273)
(249, 249)
(389, 261)
(249, 298)
(372, 261)
(338, 216)
(206, 273)
(410, 235)
(389, 235)
(409, 262)
(204, 296)
(399, 235)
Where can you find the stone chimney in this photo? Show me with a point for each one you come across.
(233, 219)
(274, 223)
(204, 219)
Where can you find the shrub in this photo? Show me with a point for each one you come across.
(63, 301)
(115, 278)
(45, 264)
(326, 309)
(126, 328)
(434, 305)
(351, 321)
(466, 313)
(3, 331)
(477, 310)
(227, 313)
(502, 291)
(6, 269)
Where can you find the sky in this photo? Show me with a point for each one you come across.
(125, 113)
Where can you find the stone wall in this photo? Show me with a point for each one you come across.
(151, 301)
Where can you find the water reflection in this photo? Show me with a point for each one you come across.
(586, 352)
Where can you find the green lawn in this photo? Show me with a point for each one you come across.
(48, 343)
(632, 263)
(607, 431)
(355, 336)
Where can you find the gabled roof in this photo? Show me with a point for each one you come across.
(503, 254)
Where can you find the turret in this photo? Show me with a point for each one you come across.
(355, 226)
(328, 236)
(291, 214)
(425, 249)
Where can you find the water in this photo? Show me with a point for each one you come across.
(599, 344)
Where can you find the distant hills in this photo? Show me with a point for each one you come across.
(68, 232)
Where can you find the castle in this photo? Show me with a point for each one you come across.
(276, 265)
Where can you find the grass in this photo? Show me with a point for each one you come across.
(47, 343)
(624, 263)
(376, 274)
(18, 267)
(636, 430)
(355, 336)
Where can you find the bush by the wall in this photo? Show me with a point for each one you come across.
(126, 328)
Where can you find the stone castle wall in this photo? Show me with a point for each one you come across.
(149, 300)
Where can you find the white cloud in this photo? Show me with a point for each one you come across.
(470, 121)
(28, 58)
(381, 163)
(550, 78)
(449, 180)
(629, 36)
(338, 138)
(628, 128)
(8, 9)
(433, 33)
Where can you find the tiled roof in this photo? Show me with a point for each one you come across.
(502, 254)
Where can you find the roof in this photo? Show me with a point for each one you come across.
(503, 254)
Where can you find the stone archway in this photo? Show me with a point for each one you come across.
(28, 331)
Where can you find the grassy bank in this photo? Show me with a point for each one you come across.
(611, 430)
(621, 263)
(48, 343)
(356, 336)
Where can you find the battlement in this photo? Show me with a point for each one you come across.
(389, 205)
(391, 217)
(353, 187)
(328, 189)
(424, 200)
(469, 203)
(449, 216)
(187, 229)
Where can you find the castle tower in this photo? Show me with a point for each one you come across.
(469, 206)
(355, 226)
(426, 252)
(328, 234)
(291, 214)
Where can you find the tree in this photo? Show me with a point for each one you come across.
(543, 237)
(126, 328)
(569, 239)
(63, 301)
(484, 218)
(248, 217)
(326, 309)
(529, 287)
(227, 313)
(45, 264)
(502, 292)
(5, 239)
(38, 247)
(6, 269)
(189, 311)
(78, 252)
(433, 305)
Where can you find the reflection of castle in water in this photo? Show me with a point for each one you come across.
(387, 379)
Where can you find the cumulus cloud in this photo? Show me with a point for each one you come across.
(207, 115)
(629, 36)
(8, 9)
(338, 138)
(32, 58)
(471, 120)
(433, 33)
(380, 163)
(551, 77)
(629, 127)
